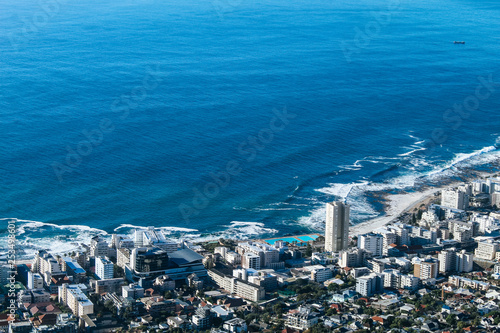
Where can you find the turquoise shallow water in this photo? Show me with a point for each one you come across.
(233, 118)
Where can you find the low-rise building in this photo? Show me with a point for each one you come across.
(75, 298)
(301, 319)
(237, 286)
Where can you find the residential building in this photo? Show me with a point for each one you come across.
(35, 281)
(250, 260)
(237, 286)
(319, 273)
(123, 257)
(302, 319)
(462, 282)
(133, 290)
(104, 268)
(353, 257)
(454, 198)
(233, 258)
(486, 249)
(336, 226)
(426, 269)
(107, 285)
(373, 243)
(98, 247)
(235, 325)
(75, 298)
(269, 255)
(74, 269)
(453, 261)
(369, 285)
(45, 264)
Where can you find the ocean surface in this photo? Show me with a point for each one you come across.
(232, 118)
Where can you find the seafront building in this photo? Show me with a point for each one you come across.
(455, 198)
(216, 281)
(336, 226)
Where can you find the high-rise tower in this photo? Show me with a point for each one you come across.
(337, 226)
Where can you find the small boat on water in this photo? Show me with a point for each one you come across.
(458, 42)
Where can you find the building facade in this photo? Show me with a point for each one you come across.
(336, 226)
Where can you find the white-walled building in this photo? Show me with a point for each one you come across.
(74, 297)
(98, 247)
(486, 249)
(453, 261)
(250, 260)
(373, 243)
(336, 226)
(454, 198)
(104, 268)
(35, 281)
(369, 285)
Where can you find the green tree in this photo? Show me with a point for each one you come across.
(451, 320)
(309, 250)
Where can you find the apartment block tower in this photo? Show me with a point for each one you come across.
(337, 226)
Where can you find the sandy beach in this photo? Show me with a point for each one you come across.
(398, 204)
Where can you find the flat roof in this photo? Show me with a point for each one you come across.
(185, 256)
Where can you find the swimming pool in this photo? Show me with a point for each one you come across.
(307, 238)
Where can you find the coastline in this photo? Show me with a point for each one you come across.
(397, 204)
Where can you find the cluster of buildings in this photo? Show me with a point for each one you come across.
(145, 280)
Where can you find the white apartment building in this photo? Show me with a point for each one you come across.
(104, 268)
(301, 320)
(233, 258)
(269, 255)
(74, 297)
(319, 273)
(373, 243)
(453, 261)
(45, 264)
(486, 222)
(394, 279)
(409, 282)
(402, 234)
(237, 286)
(368, 285)
(98, 247)
(336, 226)
(486, 249)
(222, 250)
(250, 260)
(35, 281)
(454, 198)
(353, 257)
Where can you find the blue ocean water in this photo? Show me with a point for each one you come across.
(115, 114)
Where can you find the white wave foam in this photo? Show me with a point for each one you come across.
(163, 229)
(57, 239)
(462, 157)
(238, 230)
(355, 193)
(412, 151)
